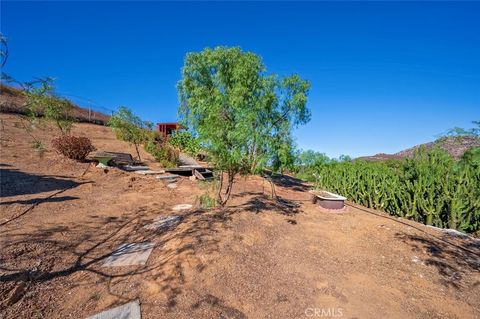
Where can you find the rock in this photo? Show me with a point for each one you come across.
(182, 207)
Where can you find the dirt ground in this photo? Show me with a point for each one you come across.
(255, 258)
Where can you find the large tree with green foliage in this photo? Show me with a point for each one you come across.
(129, 127)
(238, 111)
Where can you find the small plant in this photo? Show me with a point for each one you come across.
(76, 148)
(207, 202)
(38, 146)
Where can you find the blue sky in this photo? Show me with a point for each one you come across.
(385, 75)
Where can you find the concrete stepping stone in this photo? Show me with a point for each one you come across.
(133, 168)
(164, 222)
(149, 172)
(168, 177)
(129, 310)
(180, 207)
(130, 254)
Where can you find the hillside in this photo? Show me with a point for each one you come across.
(255, 258)
(455, 146)
(12, 101)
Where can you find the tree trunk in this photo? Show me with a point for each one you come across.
(272, 185)
(228, 191)
(138, 153)
(219, 192)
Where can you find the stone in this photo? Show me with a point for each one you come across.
(129, 310)
(164, 222)
(182, 207)
(172, 185)
(130, 254)
(168, 176)
(132, 168)
(149, 172)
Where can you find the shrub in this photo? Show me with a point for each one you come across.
(76, 148)
(206, 201)
(186, 142)
(162, 152)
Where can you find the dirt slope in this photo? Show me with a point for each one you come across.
(12, 101)
(253, 259)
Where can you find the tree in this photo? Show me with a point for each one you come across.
(237, 110)
(129, 128)
(344, 158)
(42, 100)
(310, 157)
(285, 155)
(458, 132)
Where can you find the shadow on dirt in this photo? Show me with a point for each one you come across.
(225, 311)
(15, 182)
(260, 203)
(40, 200)
(450, 260)
(50, 254)
(290, 182)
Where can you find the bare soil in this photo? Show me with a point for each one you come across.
(256, 258)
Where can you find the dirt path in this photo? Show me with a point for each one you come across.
(254, 259)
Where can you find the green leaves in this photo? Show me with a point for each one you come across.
(241, 115)
(238, 111)
(186, 142)
(41, 99)
(129, 127)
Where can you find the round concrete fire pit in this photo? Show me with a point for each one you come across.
(328, 200)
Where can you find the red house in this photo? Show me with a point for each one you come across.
(166, 129)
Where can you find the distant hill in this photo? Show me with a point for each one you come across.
(12, 101)
(455, 146)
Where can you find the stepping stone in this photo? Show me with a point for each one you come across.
(164, 222)
(182, 207)
(172, 185)
(130, 254)
(129, 310)
(168, 176)
(149, 172)
(132, 168)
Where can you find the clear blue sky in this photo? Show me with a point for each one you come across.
(385, 76)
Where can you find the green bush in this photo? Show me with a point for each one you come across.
(162, 151)
(207, 202)
(186, 142)
(431, 187)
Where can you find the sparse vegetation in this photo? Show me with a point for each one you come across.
(161, 150)
(207, 201)
(129, 127)
(76, 148)
(41, 101)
